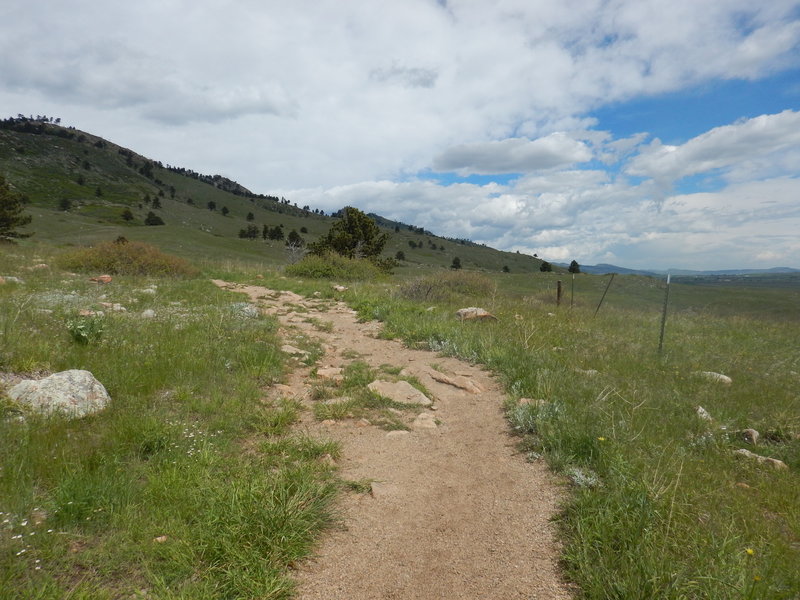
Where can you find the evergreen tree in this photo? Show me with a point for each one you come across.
(127, 215)
(153, 219)
(574, 267)
(225, 211)
(545, 267)
(156, 203)
(11, 215)
(456, 263)
(400, 255)
(250, 216)
(294, 239)
(354, 235)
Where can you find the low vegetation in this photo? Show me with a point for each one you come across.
(122, 257)
(334, 266)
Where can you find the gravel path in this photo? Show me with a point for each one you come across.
(455, 511)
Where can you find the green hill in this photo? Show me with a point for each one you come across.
(79, 185)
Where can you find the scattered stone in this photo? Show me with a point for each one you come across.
(329, 422)
(424, 421)
(148, 291)
(259, 276)
(703, 414)
(397, 433)
(148, 314)
(74, 394)
(743, 485)
(331, 374)
(160, 539)
(101, 279)
(588, 372)
(363, 423)
(316, 294)
(114, 306)
(337, 400)
(462, 383)
(286, 348)
(85, 312)
(762, 460)
(339, 288)
(399, 391)
(245, 310)
(750, 436)
(715, 377)
(11, 279)
(328, 460)
(473, 313)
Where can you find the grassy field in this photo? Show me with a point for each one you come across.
(659, 504)
(189, 485)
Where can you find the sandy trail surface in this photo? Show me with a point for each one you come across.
(455, 511)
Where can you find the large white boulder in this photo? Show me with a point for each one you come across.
(73, 394)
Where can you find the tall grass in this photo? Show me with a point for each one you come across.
(661, 507)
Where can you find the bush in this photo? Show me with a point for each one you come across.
(131, 258)
(334, 266)
(447, 286)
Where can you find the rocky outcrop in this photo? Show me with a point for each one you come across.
(73, 394)
(473, 313)
(762, 460)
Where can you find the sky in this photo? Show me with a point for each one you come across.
(643, 133)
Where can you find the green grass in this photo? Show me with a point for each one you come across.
(187, 486)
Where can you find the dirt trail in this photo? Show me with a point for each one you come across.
(455, 511)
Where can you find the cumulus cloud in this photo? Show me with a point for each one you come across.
(333, 103)
(752, 144)
(513, 155)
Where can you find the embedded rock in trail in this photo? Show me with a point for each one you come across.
(462, 383)
(73, 393)
(331, 374)
(399, 391)
(424, 421)
(293, 351)
(473, 313)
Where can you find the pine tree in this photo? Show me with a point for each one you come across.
(11, 215)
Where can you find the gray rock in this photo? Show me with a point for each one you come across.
(762, 460)
(703, 414)
(715, 377)
(399, 391)
(148, 314)
(245, 310)
(74, 394)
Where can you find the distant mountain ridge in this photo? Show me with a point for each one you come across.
(603, 268)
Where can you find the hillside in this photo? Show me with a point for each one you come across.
(79, 186)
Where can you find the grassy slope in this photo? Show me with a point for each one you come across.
(48, 167)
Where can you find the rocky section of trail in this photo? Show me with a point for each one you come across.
(453, 510)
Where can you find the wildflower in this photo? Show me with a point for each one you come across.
(601, 439)
(750, 552)
(756, 577)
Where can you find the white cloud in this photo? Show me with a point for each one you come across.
(754, 145)
(513, 155)
(306, 99)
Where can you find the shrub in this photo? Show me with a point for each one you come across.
(334, 266)
(447, 286)
(85, 330)
(131, 258)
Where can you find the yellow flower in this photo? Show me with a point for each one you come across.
(601, 439)
(756, 577)
(750, 551)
